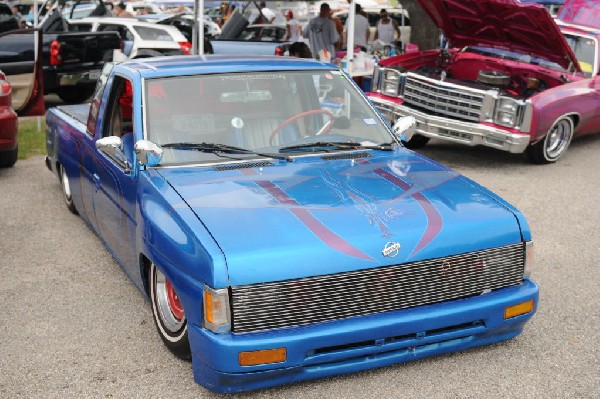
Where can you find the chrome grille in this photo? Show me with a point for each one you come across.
(442, 98)
(304, 301)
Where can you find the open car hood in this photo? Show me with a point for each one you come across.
(319, 216)
(521, 27)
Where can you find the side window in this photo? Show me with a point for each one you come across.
(119, 111)
(118, 117)
(122, 30)
(97, 99)
(153, 34)
(81, 27)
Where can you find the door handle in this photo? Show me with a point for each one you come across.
(96, 178)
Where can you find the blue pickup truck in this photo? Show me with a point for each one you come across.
(279, 227)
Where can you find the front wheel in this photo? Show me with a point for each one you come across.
(168, 313)
(554, 145)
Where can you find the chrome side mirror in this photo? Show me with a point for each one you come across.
(405, 128)
(148, 153)
(112, 147)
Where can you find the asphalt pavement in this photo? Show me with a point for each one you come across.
(72, 325)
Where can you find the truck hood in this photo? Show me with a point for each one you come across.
(525, 28)
(318, 216)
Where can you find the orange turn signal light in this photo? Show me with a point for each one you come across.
(518, 310)
(266, 356)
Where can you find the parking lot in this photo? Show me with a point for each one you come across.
(72, 325)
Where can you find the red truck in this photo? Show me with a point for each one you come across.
(513, 78)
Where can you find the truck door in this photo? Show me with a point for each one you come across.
(21, 62)
(114, 197)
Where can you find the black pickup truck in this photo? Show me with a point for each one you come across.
(71, 61)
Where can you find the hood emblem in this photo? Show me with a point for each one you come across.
(391, 249)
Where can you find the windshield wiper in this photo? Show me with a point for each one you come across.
(222, 148)
(327, 146)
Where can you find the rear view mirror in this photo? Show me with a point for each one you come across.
(405, 128)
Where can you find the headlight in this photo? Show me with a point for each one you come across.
(391, 82)
(391, 76)
(217, 315)
(507, 111)
(529, 258)
(390, 88)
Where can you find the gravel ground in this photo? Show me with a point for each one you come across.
(72, 325)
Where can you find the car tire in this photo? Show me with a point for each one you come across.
(554, 144)
(9, 158)
(417, 141)
(66, 189)
(168, 314)
(75, 94)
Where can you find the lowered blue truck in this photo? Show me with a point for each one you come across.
(278, 225)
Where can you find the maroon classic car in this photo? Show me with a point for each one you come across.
(513, 79)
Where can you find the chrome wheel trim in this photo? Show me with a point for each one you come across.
(164, 311)
(65, 184)
(558, 139)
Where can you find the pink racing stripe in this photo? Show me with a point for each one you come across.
(434, 219)
(313, 224)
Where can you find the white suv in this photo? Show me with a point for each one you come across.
(140, 39)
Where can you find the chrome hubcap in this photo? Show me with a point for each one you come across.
(558, 139)
(65, 184)
(168, 305)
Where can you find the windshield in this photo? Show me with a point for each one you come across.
(585, 51)
(260, 112)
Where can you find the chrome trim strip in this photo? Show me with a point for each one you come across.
(468, 133)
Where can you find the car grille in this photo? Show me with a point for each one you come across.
(291, 303)
(443, 99)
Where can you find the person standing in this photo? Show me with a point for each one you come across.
(293, 28)
(266, 15)
(321, 32)
(387, 28)
(361, 28)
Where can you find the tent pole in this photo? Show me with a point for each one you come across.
(350, 40)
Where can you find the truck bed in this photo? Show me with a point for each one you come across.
(79, 112)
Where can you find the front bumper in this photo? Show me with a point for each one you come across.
(467, 133)
(358, 343)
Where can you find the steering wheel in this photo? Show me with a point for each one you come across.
(324, 130)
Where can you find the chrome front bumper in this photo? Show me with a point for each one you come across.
(467, 133)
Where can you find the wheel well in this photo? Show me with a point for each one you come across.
(144, 269)
(575, 118)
